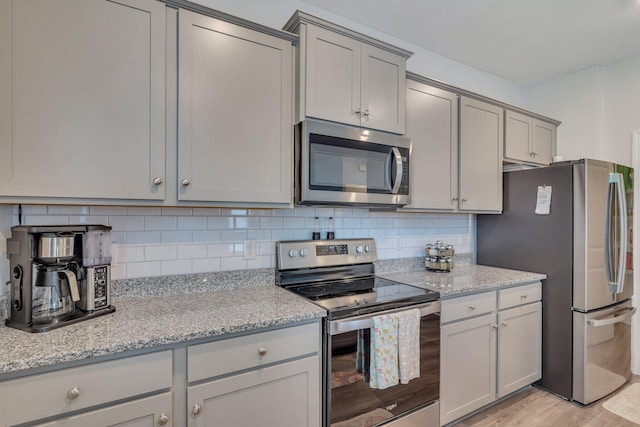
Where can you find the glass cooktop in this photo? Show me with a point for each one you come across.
(362, 296)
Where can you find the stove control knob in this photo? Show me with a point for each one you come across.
(359, 249)
(293, 253)
(367, 248)
(302, 252)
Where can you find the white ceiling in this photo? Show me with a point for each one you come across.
(522, 41)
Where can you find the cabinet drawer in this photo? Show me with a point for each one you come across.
(234, 354)
(50, 394)
(519, 295)
(471, 305)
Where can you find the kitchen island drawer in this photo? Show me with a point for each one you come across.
(230, 355)
(60, 392)
(467, 306)
(519, 295)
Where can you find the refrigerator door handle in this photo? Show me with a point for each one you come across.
(616, 278)
(628, 312)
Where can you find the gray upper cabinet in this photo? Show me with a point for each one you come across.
(82, 99)
(235, 120)
(349, 78)
(480, 156)
(528, 139)
(432, 125)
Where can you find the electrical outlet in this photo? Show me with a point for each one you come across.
(249, 249)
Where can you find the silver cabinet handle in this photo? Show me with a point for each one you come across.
(472, 307)
(164, 419)
(185, 182)
(504, 324)
(197, 409)
(455, 199)
(73, 394)
(357, 111)
(365, 113)
(157, 180)
(463, 200)
(262, 351)
(523, 296)
(494, 326)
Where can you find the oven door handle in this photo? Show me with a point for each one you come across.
(342, 326)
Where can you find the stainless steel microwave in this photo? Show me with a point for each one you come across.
(344, 165)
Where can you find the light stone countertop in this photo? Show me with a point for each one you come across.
(153, 312)
(464, 279)
(154, 321)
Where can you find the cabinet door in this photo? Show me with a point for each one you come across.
(235, 130)
(467, 366)
(282, 395)
(519, 347)
(382, 90)
(544, 141)
(148, 412)
(518, 144)
(432, 125)
(481, 138)
(86, 112)
(332, 64)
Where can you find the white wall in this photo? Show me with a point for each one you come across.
(599, 108)
(275, 14)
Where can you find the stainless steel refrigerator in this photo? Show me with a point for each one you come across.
(582, 241)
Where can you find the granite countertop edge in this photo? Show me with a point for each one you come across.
(154, 312)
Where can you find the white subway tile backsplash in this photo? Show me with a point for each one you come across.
(160, 222)
(160, 253)
(152, 241)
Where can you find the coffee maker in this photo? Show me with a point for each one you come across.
(59, 275)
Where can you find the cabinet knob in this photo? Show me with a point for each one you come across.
(157, 180)
(494, 326)
(357, 111)
(472, 307)
(523, 296)
(365, 113)
(463, 200)
(164, 419)
(262, 351)
(73, 394)
(504, 324)
(185, 182)
(196, 410)
(455, 199)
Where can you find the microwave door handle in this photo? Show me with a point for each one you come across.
(398, 159)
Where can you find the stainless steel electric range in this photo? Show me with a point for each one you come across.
(339, 276)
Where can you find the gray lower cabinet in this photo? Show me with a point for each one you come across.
(491, 346)
(58, 394)
(271, 379)
(82, 99)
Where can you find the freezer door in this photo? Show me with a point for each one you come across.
(601, 235)
(601, 351)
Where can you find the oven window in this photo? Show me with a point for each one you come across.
(351, 398)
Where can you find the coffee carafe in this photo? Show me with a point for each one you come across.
(59, 275)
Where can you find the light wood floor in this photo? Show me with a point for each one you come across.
(537, 408)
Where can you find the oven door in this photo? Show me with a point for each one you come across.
(349, 398)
